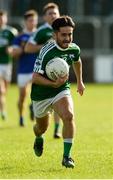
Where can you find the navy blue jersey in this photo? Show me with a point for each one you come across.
(26, 60)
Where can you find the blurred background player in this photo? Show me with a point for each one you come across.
(25, 61)
(42, 35)
(7, 34)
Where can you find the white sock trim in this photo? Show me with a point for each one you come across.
(68, 140)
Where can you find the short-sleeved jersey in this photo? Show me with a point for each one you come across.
(48, 52)
(7, 35)
(42, 35)
(26, 60)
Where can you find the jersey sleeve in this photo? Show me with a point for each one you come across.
(13, 34)
(38, 66)
(41, 36)
(16, 42)
(40, 62)
(77, 53)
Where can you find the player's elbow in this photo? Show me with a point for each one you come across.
(34, 78)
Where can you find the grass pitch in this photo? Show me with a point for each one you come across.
(92, 149)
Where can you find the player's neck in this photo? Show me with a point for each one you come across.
(29, 30)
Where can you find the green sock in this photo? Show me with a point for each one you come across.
(56, 127)
(67, 148)
(39, 138)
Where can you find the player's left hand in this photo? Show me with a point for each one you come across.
(80, 88)
(9, 50)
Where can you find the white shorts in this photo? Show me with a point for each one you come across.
(44, 107)
(6, 72)
(24, 79)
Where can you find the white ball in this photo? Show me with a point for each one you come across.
(57, 67)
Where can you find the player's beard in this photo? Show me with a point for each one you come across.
(65, 44)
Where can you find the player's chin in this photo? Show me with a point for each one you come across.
(65, 45)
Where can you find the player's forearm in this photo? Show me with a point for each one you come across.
(40, 80)
(17, 52)
(32, 48)
(78, 70)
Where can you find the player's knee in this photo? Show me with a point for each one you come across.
(68, 116)
(2, 90)
(22, 97)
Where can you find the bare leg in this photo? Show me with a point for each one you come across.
(66, 113)
(39, 129)
(41, 125)
(21, 104)
(3, 91)
(56, 125)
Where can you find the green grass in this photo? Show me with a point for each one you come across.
(92, 149)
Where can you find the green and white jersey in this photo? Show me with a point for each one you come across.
(42, 35)
(48, 52)
(7, 35)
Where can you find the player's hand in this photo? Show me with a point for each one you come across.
(80, 88)
(60, 81)
(9, 50)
